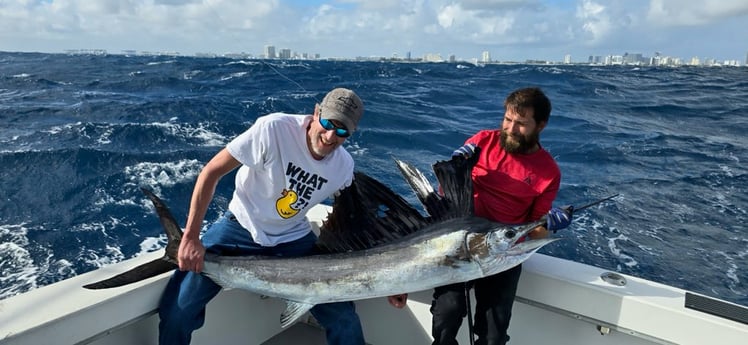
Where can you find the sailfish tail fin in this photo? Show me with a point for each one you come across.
(170, 225)
(150, 269)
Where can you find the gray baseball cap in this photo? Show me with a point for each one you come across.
(342, 105)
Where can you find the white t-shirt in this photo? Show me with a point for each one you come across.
(279, 180)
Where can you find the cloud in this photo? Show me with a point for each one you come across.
(427, 22)
(487, 26)
(379, 5)
(132, 24)
(448, 15)
(364, 30)
(594, 20)
(694, 12)
(117, 16)
(499, 5)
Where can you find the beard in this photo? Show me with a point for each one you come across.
(520, 143)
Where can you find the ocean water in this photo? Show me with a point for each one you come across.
(80, 134)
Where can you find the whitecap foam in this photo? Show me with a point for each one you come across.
(57, 269)
(162, 174)
(302, 95)
(618, 253)
(103, 198)
(54, 130)
(288, 64)
(198, 131)
(150, 244)
(17, 269)
(732, 270)
(15, 233)
(101, 227)
(155, 63)
(102, 133)
(234, 75)
(100, 258)
(356, 150)
(154, 175)
(243, 62)
(19, 274)
(191, 74)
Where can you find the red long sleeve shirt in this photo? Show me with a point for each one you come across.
(512, 188)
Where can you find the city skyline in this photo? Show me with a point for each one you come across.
(510, 30)
(272, 52)
(486, 57)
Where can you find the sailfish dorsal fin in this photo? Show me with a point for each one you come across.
(455, 180)
(367, 213)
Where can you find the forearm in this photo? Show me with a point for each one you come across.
(202, 195)
(205, 188)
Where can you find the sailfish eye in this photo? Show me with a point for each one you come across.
(510, 234)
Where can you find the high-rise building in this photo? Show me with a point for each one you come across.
(633, 59)
(284, 53)
(269, 52)
(567, 59)
(596, 59)
(486, 56)
(433, 57)
(746, 59)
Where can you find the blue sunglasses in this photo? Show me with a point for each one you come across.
(328, 125)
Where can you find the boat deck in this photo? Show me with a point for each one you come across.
(299, 333)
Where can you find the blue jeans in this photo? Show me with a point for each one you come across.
(182, 308)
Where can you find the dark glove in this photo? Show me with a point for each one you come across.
(559, 218)
(465, 151)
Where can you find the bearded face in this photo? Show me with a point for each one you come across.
(519, 143)
(519, 131)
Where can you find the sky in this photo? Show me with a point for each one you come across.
(510, 30)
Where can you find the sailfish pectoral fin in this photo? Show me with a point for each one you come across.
(294, 310)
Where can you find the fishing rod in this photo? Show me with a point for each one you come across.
(593, 203)
(571, 209)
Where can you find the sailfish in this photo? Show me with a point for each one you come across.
(372, 244)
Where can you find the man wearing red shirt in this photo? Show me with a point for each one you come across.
(514, 181)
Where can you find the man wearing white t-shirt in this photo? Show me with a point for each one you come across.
(287, 164)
